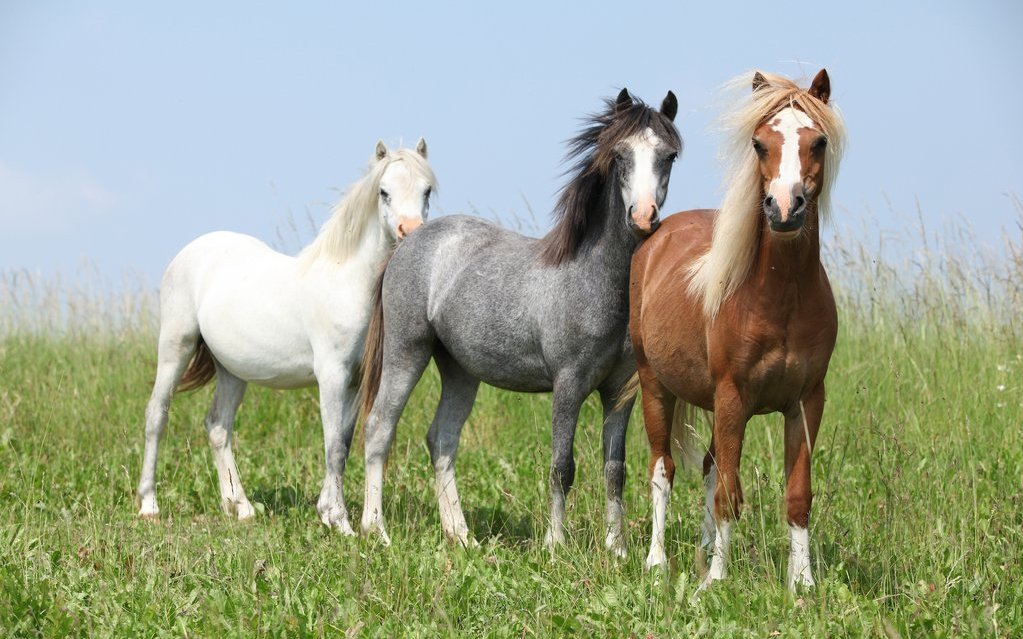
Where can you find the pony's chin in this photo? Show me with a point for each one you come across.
(785, 234)
(642, 233)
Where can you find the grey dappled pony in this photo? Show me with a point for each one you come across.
(524, 314)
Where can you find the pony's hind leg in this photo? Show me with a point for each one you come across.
(658, 413)
(458, 393)
(338, 411)
(616, 422)
(397, 380)
(219, 425)
(709, 533)
(729, 430)
(174, 351)
(800, 436)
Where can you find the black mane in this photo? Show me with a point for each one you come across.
(593, 154)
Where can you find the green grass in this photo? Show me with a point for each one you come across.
(917, 527)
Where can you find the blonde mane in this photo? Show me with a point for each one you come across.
(719, 272)
(342, 233)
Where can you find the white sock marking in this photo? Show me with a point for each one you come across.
(660, 492)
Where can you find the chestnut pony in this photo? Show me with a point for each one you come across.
(731, 312)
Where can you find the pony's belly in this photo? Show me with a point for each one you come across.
(682, 371)
(521, 372)
(269, 367)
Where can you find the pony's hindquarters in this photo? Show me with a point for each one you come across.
(398, 347)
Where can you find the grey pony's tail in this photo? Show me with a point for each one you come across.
(373, 353)
(201, 369)
(685, 444)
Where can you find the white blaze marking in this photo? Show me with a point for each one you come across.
(643, 182)
(787, 123)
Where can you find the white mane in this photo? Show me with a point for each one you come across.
(350, 217)
(719, 272)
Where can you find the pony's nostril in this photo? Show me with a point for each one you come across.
(769, 201)
(401, 231)
(799, 203)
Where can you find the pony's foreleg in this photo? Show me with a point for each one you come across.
(658, 413)
(800, 435)
(458, 393)
(173, 356)
(616, 422)
(567, 401)
(219, 426)
(337, 411)
(729, 430)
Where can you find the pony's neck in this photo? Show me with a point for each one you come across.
(781, 261)
(610, 241)
(371, 247)
(374, 245)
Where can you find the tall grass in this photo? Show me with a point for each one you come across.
(916, 530)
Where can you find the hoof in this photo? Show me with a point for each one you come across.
(337, 518)
(148, 508)
(615, 543)
(656, 560)
(244, 511)
(553, 539)
(376, 529)
(801, 581)
(463, 539)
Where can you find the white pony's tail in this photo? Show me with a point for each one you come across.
(685, 444)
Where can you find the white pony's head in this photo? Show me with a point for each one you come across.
(405, 187)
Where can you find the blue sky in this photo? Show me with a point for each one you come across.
(128, 129)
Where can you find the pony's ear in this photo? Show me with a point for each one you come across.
(623, 101)
(670, 106)
(820, 88)
(759, 81)
(421, 147)
(381, 150)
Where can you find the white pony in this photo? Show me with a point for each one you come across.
(233, 308)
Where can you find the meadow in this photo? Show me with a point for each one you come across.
(917, 526)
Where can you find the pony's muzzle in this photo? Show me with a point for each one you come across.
(791, 221)
(644, 219)
(406, 225)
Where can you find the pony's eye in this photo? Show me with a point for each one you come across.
(385, 195)
(819, 144)
(429, 191)
(758, 147)
(673, 157)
